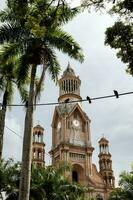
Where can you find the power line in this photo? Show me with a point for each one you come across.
(14, 132)
(89, 99)
(45, 152)
(20, 136)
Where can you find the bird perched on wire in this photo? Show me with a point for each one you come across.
(116, 94)
(88, 99)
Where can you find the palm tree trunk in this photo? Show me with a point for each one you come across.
(2, 121)
(24, 190)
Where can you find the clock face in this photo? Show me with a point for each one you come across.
(59, 125)
(76, 123)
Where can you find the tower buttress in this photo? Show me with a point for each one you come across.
(105, 163)
(38, 146)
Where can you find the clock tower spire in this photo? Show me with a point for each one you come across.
(69, 85)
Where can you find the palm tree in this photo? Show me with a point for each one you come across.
(7, 83)
(35, 33)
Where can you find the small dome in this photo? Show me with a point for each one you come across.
(69, 71)
(103, 140)
(38, 127)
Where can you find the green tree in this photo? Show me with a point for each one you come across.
(125, 190)
(9, 177)
(122, 7)
(120, 35)
(35, 30)
(117, 194)
(55, 185)
(46, 183)
(8, 80)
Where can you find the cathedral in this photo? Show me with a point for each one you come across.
(71, 141)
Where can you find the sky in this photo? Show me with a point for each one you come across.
(100, 74)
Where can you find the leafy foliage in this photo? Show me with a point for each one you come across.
(120, 35)
(122, 7)
(35, 28)
(46, 183)
(125, 191)
(9, 176)
(8, 73)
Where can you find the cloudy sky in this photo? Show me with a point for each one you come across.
(100, 74)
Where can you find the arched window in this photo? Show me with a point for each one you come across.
(99, 197)
(74, 176)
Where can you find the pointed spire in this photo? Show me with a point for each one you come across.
(68, 66)
(103, 140)
(69, 71)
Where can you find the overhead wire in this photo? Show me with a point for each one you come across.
(14, 132)
(67, 101)
(89, 99)
(20, 136)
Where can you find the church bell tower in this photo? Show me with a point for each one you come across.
(69, 85)
(71, 137)
(105, 163)
(38, 151)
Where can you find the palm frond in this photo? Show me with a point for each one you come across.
(52, 63)
(7, 16)
(7, 71)
(10, 33)
(7, 79)
(9, 52)
(58, 14)
(64, 13)
(65, 43)
(23, 70)
(23, 92)
(1, 83)
(19, 7)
